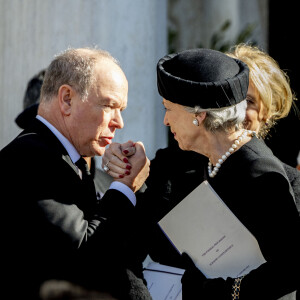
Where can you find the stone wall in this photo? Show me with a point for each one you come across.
(134, 31)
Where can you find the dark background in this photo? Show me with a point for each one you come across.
(284, 47)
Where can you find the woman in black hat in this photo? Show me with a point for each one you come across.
(204, 94)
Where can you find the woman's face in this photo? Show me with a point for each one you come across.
(181, 124)
(255, 113)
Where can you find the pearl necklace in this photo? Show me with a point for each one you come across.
(213, 173)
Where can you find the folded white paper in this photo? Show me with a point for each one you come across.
(163, 282)
(205, 228)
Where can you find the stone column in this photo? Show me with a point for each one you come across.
(194, 22)
(134, 31)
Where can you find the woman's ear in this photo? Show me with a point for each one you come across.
(65, 94)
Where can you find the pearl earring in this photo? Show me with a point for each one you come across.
(196, 122)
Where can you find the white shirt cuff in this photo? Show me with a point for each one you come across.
(123, 188)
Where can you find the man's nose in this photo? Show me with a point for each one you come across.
(117, 120)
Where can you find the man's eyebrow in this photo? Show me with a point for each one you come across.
(112, 103)
(109, 101)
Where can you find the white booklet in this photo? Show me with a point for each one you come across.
(163, 282)
(205, 228)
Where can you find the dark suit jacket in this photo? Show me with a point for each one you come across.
(51, 226)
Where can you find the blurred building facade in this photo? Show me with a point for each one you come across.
(215, 24)
(133, 31)
(269, 24)
(137, 33)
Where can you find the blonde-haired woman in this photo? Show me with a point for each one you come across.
(269, 98)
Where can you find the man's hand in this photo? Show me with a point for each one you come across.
(127, 163)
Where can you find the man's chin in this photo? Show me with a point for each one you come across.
(94, 152)
(99, 151)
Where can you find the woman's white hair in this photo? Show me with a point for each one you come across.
(222, 119)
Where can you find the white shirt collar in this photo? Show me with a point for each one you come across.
(73, 153)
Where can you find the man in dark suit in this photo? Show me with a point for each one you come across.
(31, 101)
(53, 225)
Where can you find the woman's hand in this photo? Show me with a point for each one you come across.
(127, 163)
(115, 161)
(196, 286)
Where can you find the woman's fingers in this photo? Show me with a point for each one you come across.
(115, 167)
(129, 151)
(114, 162)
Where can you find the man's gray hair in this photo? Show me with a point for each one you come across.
(222, 119)
(74, 67)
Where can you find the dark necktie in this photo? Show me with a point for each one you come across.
(87, 179)
(84, 168)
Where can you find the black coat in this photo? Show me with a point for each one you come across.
(255, 186)
(52, 227)
(173, 175)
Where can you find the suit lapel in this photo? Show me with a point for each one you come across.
(51, 140)
(68, 160)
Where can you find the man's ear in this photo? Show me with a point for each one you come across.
(200, 116)
(65, 95)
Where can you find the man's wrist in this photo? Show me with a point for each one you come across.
(123, 188)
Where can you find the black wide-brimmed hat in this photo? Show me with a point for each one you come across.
(203, 77)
